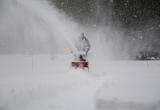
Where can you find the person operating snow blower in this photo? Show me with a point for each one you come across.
(83, 46)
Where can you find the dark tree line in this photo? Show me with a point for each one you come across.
(139, 18)
(130, 13)
(81, 10)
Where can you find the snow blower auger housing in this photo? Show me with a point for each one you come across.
(80, 64)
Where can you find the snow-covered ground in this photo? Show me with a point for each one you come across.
(45, 83)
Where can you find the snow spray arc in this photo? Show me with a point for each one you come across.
(34, 26)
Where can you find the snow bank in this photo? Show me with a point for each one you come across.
(52, 85)
(132, 85)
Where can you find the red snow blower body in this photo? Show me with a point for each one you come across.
(80, 62)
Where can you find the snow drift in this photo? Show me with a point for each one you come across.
(115, 85)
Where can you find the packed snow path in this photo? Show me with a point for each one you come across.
(39, 83)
